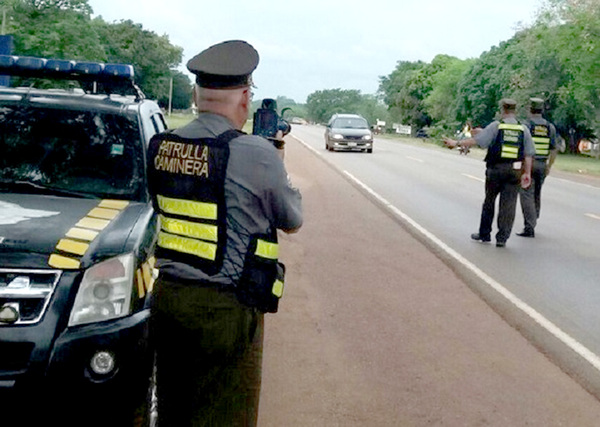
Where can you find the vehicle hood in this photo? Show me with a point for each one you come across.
(351, 131)
(31, 227)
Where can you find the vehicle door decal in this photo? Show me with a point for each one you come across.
(76, 243)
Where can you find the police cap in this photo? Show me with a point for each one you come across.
(508, 104)
(227, 65)
(536, 104)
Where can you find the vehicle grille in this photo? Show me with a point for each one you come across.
(28, 292)
(352, 137)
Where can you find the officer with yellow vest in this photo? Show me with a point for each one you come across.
(221, 195)
(510, 151)
(544, 136)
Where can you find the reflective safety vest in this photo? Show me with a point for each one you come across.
(508, 146)
(540, 134)
(187, 182)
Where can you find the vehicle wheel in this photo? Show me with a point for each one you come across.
(369, 150)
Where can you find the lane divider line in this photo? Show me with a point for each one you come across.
(476, 178)
(558, 333)
(415, 159)
(592, 216)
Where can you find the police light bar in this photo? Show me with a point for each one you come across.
(95, 77)
(28, 66)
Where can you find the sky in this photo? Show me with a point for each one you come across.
(312, 45)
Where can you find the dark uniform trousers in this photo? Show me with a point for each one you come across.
(209, 356)
(531, 197)
(503, 180)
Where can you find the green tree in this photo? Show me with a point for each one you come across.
(182, 92)
(322, 104)
(152, 56)
(53, 28)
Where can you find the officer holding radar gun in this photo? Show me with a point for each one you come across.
(221, 195)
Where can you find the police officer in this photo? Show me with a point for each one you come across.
(509, 156)
(544, 137)
(221, 195)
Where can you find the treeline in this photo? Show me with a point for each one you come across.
(557, 59)
(64, 29)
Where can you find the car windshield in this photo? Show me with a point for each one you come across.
(85, 153)
(350, 123)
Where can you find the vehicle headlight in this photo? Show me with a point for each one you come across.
(367, 137)
(105, 292)
(337, 136)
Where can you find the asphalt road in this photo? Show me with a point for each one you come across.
(375, 329)
(555, 276)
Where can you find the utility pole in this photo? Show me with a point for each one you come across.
(170, 94)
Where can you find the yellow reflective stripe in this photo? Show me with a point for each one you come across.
(509, 126)
(509, 152)
(71, 246)
(103, 213)
(140, 283)
(186, 245)
(93, 223)
(278, 288)
(59, 261)
(541, 140)
(113, 204)
(266, 249)
(82, 234)
(189, 229)
(148, 279)
(189, 208)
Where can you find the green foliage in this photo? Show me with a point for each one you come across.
(322, 104)
(556, 59)
(63, 29)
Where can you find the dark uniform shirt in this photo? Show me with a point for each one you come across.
(258, 196)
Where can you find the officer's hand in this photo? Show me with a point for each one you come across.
(450, 143)
(525, 180)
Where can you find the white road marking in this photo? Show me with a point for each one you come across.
(415, 159)
(565, 338)
(593, 216)
(476, 178)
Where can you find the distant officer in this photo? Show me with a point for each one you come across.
(509, 156)
(544, 136)
(222, 195)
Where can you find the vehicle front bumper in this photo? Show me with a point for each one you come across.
(46, 372)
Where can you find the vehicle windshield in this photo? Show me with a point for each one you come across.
(350, 123)
(85, 153)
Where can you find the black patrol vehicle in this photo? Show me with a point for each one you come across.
(77, 236)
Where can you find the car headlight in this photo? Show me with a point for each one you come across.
(105, 292)
(367, 137)
(337, 136)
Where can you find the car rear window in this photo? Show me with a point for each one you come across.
(89, 152)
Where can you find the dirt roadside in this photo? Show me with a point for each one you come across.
(375, 330)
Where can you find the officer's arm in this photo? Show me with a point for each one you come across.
(451, 143)
(286, 200)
